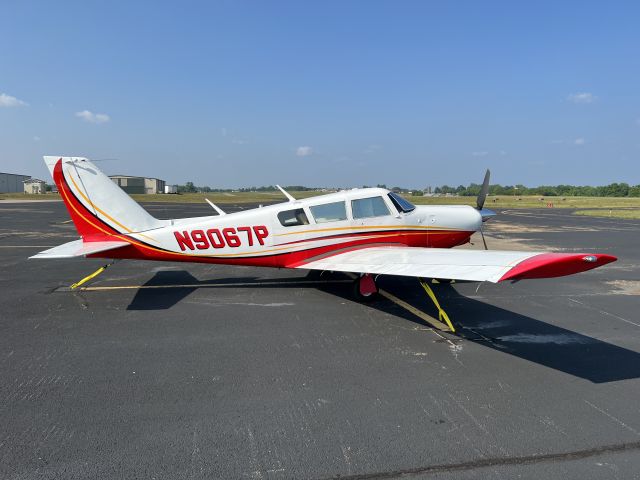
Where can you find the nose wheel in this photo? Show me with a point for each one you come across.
(365, 288)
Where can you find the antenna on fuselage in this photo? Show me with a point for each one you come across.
(215, 207)
(291, 199)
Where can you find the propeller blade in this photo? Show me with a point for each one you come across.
(483, 240)
(482, 196)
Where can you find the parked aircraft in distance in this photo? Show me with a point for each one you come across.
(365, 231)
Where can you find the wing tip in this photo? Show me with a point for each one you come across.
(549, 265)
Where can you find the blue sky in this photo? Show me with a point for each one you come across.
(333, 93)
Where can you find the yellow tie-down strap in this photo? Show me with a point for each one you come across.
(89, 277)
(442, 315)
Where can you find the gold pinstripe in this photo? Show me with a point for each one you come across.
(79, 190)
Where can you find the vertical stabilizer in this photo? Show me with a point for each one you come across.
(97, 205)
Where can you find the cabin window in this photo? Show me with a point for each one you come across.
(291, 218)
(402, 205)
(369, 207)
(329, 212)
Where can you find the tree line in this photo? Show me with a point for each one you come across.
(611, 190)
(189, 187)
(472, 190)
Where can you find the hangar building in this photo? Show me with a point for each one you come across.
(139, 184)
(12, 183)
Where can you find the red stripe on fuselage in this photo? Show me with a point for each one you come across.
(282, 260)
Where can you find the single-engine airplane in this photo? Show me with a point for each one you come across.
(365, 231)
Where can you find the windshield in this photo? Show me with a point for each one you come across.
(401, 204)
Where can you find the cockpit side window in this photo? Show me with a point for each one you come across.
(291, 218)
(329, 212)
(369, 207)
(402, 205)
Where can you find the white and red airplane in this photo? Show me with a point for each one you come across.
(365, 231)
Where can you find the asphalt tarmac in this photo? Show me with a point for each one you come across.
(237, 372)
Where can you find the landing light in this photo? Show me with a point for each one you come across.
(590, 259)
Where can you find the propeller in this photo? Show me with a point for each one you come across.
(485, 212)
(484, 190)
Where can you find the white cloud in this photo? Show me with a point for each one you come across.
(9, 101)
(582, 97)
(223, 132)
(238, 141)
(480, 154)
(579, 141)
(91, 117)
(36, 138)
(304, 151)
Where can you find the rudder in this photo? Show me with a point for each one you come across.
(98, 207)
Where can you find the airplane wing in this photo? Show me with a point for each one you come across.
(470, 265)
(79, 248)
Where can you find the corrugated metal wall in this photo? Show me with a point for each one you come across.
(12, 183)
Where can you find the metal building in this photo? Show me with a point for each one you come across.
(139, 185)
(12, 183)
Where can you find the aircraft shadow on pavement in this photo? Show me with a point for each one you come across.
(512, 333)
(168, 287)
(482, 323)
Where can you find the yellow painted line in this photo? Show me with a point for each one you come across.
(204, 285)
(66, 221)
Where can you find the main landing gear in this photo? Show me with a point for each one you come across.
(365, 288)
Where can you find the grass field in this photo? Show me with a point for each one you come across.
(628, 213)
(28, 196)
(587, 203)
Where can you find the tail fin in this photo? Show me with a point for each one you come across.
(98, 206)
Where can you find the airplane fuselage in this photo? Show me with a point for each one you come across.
(287, 234)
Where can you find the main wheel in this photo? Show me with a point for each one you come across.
(365, 289)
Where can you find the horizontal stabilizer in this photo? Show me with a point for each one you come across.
(78, 248)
